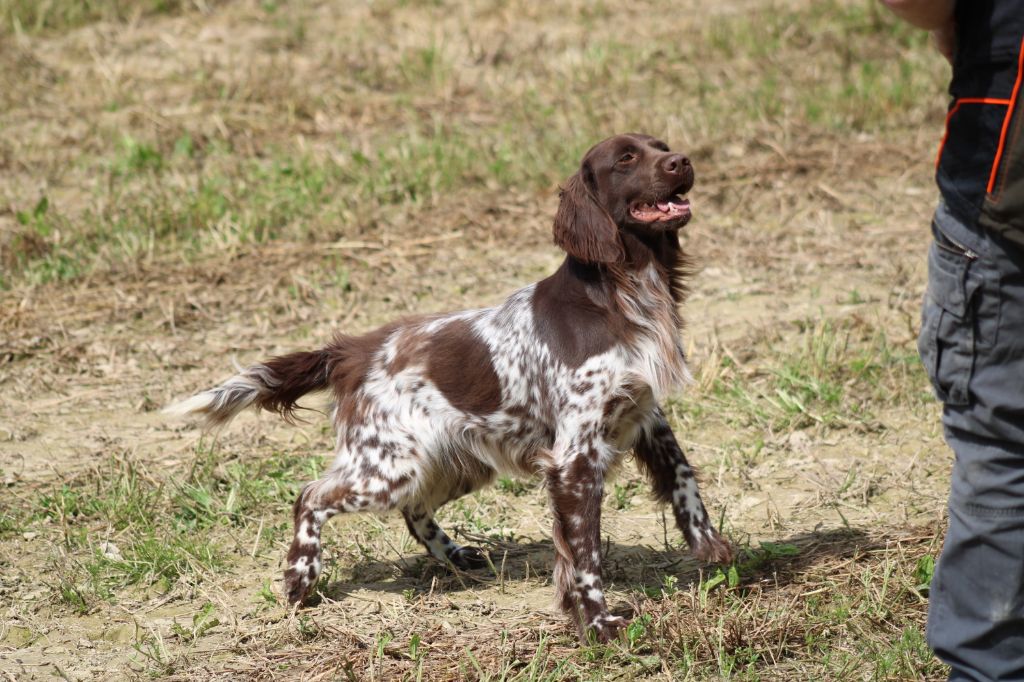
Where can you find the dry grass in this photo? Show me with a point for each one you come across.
(39, 16)
(783, 614)
(190, 181)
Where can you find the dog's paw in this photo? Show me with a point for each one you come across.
(605, 628)
(709, 546)
(297, 585)
(468, 558)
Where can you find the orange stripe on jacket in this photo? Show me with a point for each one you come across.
(1006, 120)
(956, 106)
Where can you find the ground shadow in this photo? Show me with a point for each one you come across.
(636, 568)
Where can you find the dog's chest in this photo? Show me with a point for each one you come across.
(652, 353)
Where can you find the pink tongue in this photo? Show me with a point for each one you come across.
(662, 206)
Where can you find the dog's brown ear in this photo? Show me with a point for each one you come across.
(582, 227)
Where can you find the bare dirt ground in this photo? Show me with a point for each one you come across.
(236, 179)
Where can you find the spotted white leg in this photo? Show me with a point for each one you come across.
(674, 481)
(575, 488)
(423, 527)
(318, 502)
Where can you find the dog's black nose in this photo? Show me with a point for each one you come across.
(675, 164)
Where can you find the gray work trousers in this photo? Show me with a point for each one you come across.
(972, 345)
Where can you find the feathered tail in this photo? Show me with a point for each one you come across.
(275, 385)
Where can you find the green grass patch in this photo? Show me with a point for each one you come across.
(833, 374)
(156, 204)
(832, 67)
(59, 15)
(122, 526)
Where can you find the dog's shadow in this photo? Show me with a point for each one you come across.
(635, 568)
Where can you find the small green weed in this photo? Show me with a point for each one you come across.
(202, 622)
(265, 596)
(512, 486)
(924, 571)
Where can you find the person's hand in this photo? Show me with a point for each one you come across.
(945, 40)
(933, 15)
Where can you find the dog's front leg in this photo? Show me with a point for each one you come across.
(674, 481)
(576, 486)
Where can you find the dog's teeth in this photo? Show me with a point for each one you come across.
(662, 206)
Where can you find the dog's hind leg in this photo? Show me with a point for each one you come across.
(340, 490)
(422, 526)
(419, 516)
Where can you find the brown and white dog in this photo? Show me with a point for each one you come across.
(563, 380)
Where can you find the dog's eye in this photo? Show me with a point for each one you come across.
(628, 157)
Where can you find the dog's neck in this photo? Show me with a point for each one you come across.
(642, 248)
(641, 251)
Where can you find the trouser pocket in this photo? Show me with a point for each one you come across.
(949, 328)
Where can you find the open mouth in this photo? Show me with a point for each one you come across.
(675, 208)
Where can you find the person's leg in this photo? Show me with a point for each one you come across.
(976, 610)
(972, 344)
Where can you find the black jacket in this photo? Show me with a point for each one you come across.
(980, 168)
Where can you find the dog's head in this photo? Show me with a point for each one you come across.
(627, 182)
